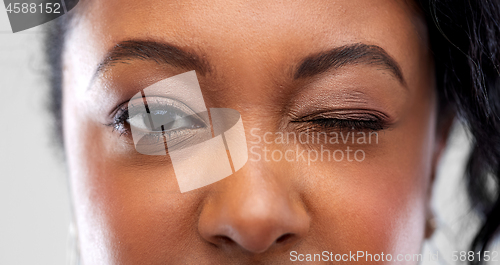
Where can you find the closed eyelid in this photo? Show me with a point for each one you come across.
(359, 114)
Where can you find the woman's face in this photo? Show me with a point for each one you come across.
(337, 67)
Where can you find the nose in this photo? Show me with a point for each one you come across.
(253, 213)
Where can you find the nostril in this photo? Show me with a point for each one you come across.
(224, 240)
(284, 238)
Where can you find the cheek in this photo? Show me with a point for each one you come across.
(379, 204)
(369, 212)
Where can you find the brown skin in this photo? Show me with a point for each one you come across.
(128, 206)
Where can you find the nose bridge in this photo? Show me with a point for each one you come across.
(258, 192)
(252, 71)
(253, 210)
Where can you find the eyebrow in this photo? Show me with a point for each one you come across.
(161, 53)
(352, 54)
(164, 53)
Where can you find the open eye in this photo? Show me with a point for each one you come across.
(166, 118)
(160, 115)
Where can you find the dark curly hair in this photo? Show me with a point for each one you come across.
(465, 42)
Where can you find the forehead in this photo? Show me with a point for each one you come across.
(271, 33)
(254, 23)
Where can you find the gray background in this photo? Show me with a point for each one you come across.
(34, 200)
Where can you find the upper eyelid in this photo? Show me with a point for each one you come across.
(176, 104)
(148, 101)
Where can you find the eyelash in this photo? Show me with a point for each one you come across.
(119, 120)
(345, 121)
(353, 124)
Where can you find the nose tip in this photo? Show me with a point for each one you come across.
(255, 226)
